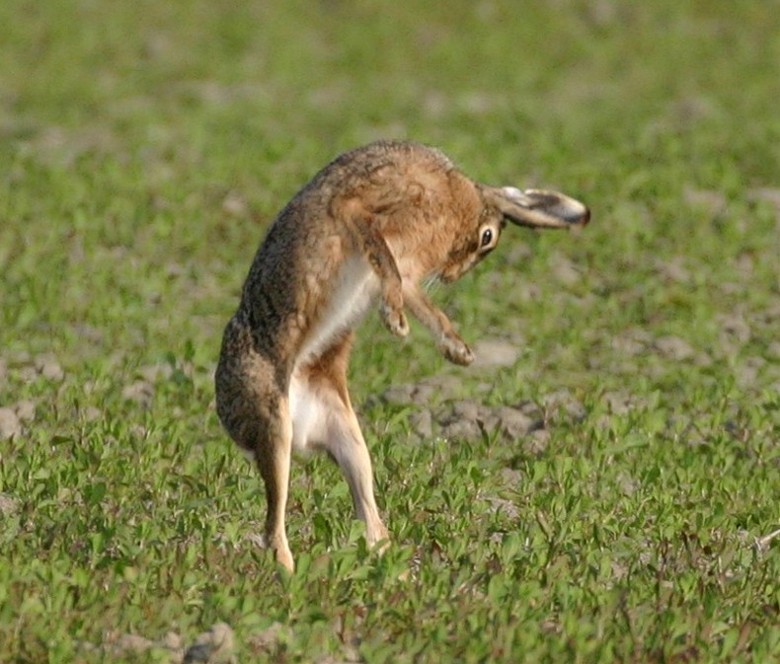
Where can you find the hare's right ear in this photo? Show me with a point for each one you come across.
(536, 208)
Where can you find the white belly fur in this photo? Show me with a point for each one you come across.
(353, 292)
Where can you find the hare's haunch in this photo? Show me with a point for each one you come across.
(373, 224)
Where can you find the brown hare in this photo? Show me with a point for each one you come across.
(373, 224)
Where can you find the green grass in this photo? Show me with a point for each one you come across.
(145, 146)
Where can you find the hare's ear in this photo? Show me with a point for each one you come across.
(536, 208)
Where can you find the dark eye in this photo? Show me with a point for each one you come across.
(487, 237)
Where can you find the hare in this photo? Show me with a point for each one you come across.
(373, 224)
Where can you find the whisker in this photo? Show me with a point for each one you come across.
(432, 283)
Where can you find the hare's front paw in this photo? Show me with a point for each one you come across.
(456, 350)
(395, 320)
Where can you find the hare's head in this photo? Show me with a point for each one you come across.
(534, 208)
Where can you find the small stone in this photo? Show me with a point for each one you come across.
(736, 327)
(514, 423)
(400, 395)
(625, 345)
(153, 373)
(172, 641)
(132, 643)
(488, 419)
(91, 414)
(25, 410)
(27, 374)
(199, 652)
(8, 505)
(463, 420)
(214, 646)
(708, 199)
(140, 391)
(531, 409)
(503, 506)
(537, 442)
(627, 484)
(511, 477)
(235, 205)
(422, 423)
(490, 353)
(619, 403)
(424, 393)
(10, 425)
(564, 401)
(461, 429)
(674, 270)
(769, 195)
(674, 348)
(566, 272)
(18, 357)
(49, 368)
(466, 410)
(441, 385)
(267, 640)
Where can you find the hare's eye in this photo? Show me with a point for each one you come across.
(487, 237)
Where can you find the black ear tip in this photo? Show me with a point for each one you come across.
(582, 219)
(572, 211)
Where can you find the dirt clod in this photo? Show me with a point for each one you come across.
(140, 391)
(25, 410)
(48, 367)
(267, 640)
(216, 646)
(422, 423)
(471, 420)
(8, 505)
(674, 348)
(10, 424)
(491, 353)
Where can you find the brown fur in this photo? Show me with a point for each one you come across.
(372, 224)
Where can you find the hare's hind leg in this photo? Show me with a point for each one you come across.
(323, 418)
(273, 453)
(264, 433)
(259, 421)
(254, 408)
(347, 445)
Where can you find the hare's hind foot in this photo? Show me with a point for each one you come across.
(378, 537)
(282, 553)
(323, 418)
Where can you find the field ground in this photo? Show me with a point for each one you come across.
(604, 487)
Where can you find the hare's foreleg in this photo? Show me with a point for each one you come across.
(449, 342)
(375, 249)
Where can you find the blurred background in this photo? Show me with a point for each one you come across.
(145, 146)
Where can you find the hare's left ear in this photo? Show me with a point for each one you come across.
(536, 208)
